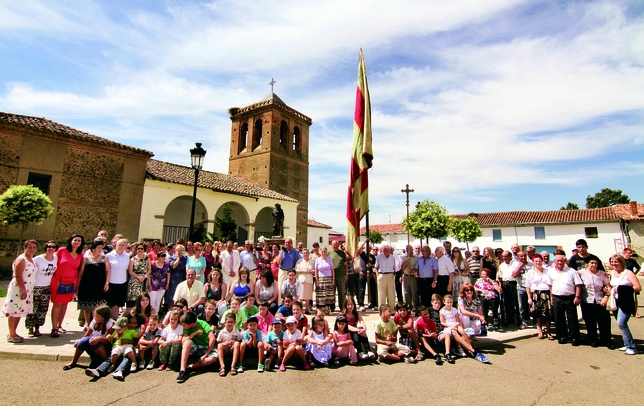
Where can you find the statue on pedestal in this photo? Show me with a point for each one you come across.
(278, 221)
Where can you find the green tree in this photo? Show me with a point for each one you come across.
(605, 198)
(466, 230)
(23, 205)
(570, 206)
(429, 220)
(375, 237)
(226, 226)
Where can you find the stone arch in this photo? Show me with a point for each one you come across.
(264, 223)
(176, 218)
(243, 137)
(297, 140)
(257, 134)
(240, 214)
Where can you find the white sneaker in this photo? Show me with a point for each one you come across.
(151, 365)
(363, 356)
(118, 375)
(371, 355)
(623, 349)
(133, 367)
(141, 365)
(630, 352)
(361, 309)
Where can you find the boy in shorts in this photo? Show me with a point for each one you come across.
(386, 332)
(228, 342)
(251, 339)
(274, 344)
(198, 340)
(428, 333)
(123, 340)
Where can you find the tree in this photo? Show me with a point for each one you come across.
(226, 226)
(375, 237)
(605, 198)
(429, 220)
(570, 206)
(466, 230)
(23, 205)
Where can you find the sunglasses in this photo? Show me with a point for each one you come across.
(140, 249)
(468, 290)
(50, 246)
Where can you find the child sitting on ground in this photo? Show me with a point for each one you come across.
(149, 342)
(96, 340)
(408, 337)
(428, 334)
(170, 343)
(235, 305)
(264, 318)
(181, 306)
(197, 340)
(302, 320)
(227, 343)
(320, 313)
(251, 339)
(343, 346)
(247, 310)
(273, 345)
(123, 341)
(285, 310)
(453, 328)
(386, 333)
(319, 345)
(292, 344)
(209, 315)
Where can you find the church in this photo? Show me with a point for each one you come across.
(96, 183)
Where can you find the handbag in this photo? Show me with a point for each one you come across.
(612, 302)
(65, 288)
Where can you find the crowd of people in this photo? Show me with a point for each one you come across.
(156, 305)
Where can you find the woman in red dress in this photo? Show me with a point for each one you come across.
(65, 280)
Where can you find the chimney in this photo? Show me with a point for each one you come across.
(633, 207)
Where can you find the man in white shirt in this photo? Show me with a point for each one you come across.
(191, 290)
(230, 263)
(509, 271)
(249, 260)
(445, 274)
(385, 270)
(523, 265)
(566, 296)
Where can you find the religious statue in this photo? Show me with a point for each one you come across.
(278, 221)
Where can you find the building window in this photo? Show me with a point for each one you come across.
(496, 234)
(40, 181)
(297, 140)
(243, 136)
(283, 134)
(539, 233)
(591, 232)
(257, 133)
(321, 239)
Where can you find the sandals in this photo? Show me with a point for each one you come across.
(68, 367)
(14, 339)
(551, 337)
(61, 330)
(37, 333)
(54, 334)
(222, 372)
(541, 336)
(233, 371)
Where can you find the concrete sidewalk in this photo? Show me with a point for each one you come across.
(62, 348)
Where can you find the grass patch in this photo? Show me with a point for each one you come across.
(3, 292)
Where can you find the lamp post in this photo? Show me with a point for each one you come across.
(196, 158)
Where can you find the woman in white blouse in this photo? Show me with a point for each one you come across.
(537, 284)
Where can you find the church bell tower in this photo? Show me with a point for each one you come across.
(270, 147)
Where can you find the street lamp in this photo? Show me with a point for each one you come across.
(196, 158)
(407, 191)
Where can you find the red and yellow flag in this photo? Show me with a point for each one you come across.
(361, 160)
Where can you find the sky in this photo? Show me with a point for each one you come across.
(478, 105)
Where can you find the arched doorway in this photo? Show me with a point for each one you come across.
(176, 219)
(264, 223)
(239, 213)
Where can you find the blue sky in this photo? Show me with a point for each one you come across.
(478, 105)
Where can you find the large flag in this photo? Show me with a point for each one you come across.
(361, 160)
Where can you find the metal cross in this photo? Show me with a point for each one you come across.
(272, 82)
(407, 191)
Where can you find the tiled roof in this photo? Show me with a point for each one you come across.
(45, 125)
(612, 213)
(335, 233)
(313, 223)
(219, 182)
(271, 100)
(384, 228)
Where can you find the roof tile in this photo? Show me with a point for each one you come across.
(313, 223)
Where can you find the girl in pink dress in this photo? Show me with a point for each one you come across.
(342, 342)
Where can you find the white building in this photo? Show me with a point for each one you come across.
(317, 232)
(607, 230)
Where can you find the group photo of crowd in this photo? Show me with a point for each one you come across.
(182, 306)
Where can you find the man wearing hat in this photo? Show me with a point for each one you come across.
(583, 257)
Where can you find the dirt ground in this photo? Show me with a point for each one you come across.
(523, 372)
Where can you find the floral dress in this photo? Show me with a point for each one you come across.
(134, 287)
(13, 306)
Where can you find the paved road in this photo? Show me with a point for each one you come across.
(523, 372)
